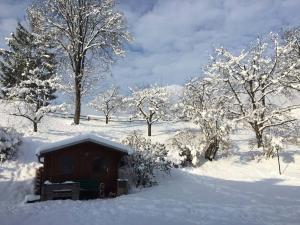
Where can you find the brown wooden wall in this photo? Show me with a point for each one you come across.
(83, 155)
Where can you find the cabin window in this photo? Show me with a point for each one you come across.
(66, 165)
(100, 166)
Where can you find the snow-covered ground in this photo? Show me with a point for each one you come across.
(233, 190)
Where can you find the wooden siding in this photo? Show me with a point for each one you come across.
(83, 155)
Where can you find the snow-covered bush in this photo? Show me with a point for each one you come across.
(205, 103)
(182, 148)
(272, 145)
(9, 141)
(146, 160)
(293, 135)
(192, 148)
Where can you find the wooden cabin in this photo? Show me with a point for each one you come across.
(86, 166)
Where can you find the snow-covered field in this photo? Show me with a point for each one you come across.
(233, 190)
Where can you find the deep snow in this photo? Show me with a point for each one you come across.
(232, 190)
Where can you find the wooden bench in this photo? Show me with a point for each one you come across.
(60, 191)
(92, 186)
(122, 187)
(89, 185)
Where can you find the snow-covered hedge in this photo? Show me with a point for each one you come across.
(147, 159)
(183, 145)
(9, 141)
(190, 148)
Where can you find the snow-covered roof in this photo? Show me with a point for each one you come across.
(81, 139)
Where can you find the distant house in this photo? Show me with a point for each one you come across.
(81, 167)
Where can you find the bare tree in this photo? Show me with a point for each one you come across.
(150, 104)
(108, 102)
(85, 31)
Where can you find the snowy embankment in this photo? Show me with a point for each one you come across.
(232, 190)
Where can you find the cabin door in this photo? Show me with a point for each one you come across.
(98, 168)
(100, 173)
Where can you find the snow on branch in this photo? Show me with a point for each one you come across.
(150, 104)
(108, 102)
(255, 81)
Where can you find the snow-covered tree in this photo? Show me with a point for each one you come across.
(146, 160)
(26, 50)
(29, 99)
(205, 103)
(12, 61)
(150, 104)
(10, 139)
(86, 32)
(290, 60)
(253, 82)
(28, 75)
(108, 102)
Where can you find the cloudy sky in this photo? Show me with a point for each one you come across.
(174, 38)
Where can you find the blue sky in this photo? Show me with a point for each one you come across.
(174, 38)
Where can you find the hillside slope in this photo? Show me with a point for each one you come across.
(232, 190)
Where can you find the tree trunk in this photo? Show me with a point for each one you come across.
(77, 103)
(259, 136)
(149, 129)
(278, 160)
(106, 119)
(216, 149)
(211, 151)
(35, 128)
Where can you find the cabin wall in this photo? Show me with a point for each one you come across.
(86, 157)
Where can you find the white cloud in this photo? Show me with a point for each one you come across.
(174, 38)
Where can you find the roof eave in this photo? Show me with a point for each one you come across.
(125, 151)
